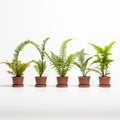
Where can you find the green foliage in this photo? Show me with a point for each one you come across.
(17, 67)
(20, 48)
(102, 59)
(62, 53)
(62, 63)
(41, 50)
(40, 66)
(36, 46)
(83, 63)
(43, 46)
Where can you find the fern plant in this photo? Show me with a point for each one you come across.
(17, 67)
(40, 65)
(102, 59)
(82, 63)
(62, 63)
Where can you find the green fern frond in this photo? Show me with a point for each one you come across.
(36, 46)
(53, 59)
(78, 65)
(95, 61)
(16, 67)
(95, 70)
(81, 56)
(11, 72)
(63, 47)
(82, 62)
(44, 43)
(61, 62)
(108, 48)
(19, 48)
(84, 68)
(23, 44)
(69, 62)
(97, 48)
(43, 46)
(39, 66)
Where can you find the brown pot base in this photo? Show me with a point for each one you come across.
(38, 85)
(109, 85)
(17, 85)
(61, 86)
(83, 85)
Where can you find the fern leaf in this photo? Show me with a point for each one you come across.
(11, 72)
(19, 48)
(108, 47)
(44, 43)
(81, 57)
(17, 68)
(63, 47)
(36, 46)
(95, 70)
(97, 48)
(43, 46)
(70, 61)
(84, 66)
(53, 59)
(36, 68)
(77, 64)
(86, 62)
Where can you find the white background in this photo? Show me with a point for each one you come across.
(95, 21)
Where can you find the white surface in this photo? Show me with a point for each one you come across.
(52, 103)
(96, 21)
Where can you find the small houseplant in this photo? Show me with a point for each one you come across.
(40, 66)
(62, 64)
(82, 64)
(17, 67)
(103, 61)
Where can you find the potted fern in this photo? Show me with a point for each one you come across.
(40, 66)
(17, 69)
(62, 64)
(82, 64)
(102, 59)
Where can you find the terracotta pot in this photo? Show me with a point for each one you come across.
(104, 81)
(40, 81)
(62, 81)
(84, 81)
(17, 81)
